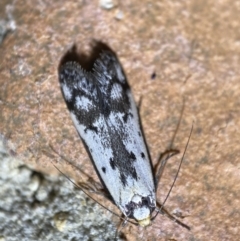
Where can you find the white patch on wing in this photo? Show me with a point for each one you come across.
(120, 75)
(83, 83)
(83, 103)
(116, 91)
(67, 92)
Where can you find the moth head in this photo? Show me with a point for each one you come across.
(142, 215)
(140, 208)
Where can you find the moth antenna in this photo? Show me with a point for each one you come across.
(178, 125)
(169, 153)
(164, 212)
(123, 219)
(162, 161)
(162, 206)
(179, 167)
(69, 161)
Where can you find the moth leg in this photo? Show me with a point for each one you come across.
(121, 225)
(164, 212)
(94, 189)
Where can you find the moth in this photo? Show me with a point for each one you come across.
(105, 115)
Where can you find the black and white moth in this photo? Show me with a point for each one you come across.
(105, 115)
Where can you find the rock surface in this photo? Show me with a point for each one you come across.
(170, 51)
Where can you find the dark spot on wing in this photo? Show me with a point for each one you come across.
(112, 163)
(123, 179)
(134, 174)
(125, 117)
(91, 128)
(142, 155)
(139, 133)
(132, 156)
(104, 169)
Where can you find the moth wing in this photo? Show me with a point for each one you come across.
(105, 115)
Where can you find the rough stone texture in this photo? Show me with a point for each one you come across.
(41, 207)
(193, 47)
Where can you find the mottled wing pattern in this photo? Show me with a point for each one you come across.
(104, 113)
